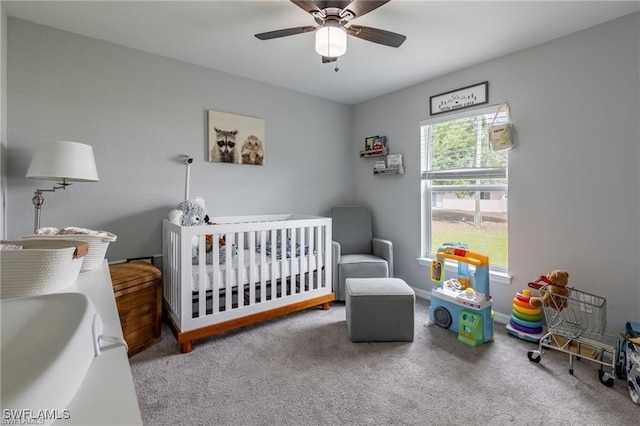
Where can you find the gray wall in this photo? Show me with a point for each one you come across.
(574, 178)
(3, 121)
(139, 112)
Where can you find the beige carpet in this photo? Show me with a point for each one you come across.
(302, 370)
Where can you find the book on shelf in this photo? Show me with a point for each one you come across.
(379, 166)
(368, 143)
(394, 161)
(375, 143)
(379, 142)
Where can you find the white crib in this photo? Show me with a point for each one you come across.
(271, 265)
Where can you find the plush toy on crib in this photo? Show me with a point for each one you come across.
(192, 212)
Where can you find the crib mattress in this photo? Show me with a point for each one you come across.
(284, 268)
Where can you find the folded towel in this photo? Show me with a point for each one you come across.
(47, 231)
(71, 230)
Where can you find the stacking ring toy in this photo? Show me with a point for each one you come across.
(526, 317)
(521, 303)
(526, 329)
(526, 311)
(528, 324)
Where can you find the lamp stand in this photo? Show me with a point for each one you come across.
(38, 201)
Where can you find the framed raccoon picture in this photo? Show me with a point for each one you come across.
(235, 139)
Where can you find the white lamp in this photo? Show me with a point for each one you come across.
(331, 41)
(63, 161)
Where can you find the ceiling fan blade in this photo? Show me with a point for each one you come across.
(376, 35)
(361, 7)
(306, 5)
(316, 7)
(325, 4)
(326, 59)
(284, 33)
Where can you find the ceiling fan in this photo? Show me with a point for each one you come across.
(332, 18)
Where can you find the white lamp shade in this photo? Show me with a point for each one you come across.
(331, 41)
(60, 160)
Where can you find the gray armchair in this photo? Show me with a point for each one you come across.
(356, 253)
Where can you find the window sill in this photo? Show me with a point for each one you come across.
(450, 267)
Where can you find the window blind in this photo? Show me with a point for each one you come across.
(456, 148)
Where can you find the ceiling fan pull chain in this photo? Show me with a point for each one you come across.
(336, 69)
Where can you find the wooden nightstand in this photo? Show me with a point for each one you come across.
(138, 292)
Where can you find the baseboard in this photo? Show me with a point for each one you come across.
(422, 294)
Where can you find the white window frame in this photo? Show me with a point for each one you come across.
(498, 274)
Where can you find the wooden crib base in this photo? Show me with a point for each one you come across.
(186, 338)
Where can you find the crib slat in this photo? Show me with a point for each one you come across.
(168, 258)
(328, 276)
(215, 279)
(175, 258)
(285, 262)
(168, 279)
(321, 249)
(295, 253)
(228, 293)
(263, 266)
(252, 267)
(240, 268)
(310, 258)
(202, 273)
(274, 264)
(302, 260)
(185, 261)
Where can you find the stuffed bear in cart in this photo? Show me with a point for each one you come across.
(555, 293)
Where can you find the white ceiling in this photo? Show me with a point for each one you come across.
(442, 36)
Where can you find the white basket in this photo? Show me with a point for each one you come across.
(98, 246)
(39, 267)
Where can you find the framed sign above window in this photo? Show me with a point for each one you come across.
(465, 97)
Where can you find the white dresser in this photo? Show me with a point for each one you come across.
(107, 395)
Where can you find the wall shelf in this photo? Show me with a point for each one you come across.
(374, 152)
(390, 171)
(391, 165)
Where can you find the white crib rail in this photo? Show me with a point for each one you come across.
(265, 283)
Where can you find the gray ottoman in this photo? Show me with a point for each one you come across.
(379, 310)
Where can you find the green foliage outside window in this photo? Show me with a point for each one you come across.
(459, 147)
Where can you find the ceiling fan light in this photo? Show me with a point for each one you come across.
(331, 41)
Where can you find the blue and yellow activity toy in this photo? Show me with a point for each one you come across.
(462, 304)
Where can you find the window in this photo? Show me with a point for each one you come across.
(464, 185)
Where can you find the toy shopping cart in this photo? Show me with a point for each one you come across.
(575, 324)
